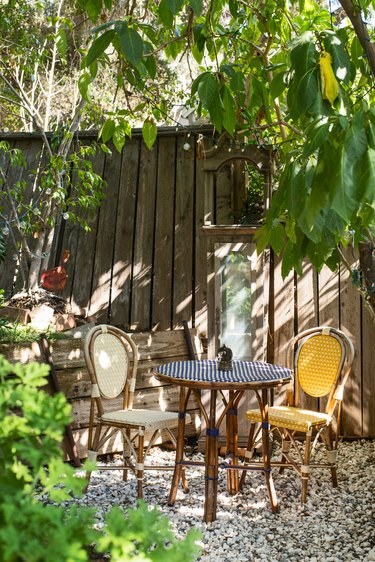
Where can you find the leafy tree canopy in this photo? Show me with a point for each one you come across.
(297, 75)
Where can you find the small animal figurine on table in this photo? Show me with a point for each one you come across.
(224, 358)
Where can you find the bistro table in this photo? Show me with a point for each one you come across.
(194, 376)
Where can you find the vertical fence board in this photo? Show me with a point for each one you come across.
(12, 278)
(125, 231)
(283, 318)
(144, 240)
(306, 298)
(7, 267)
(200, 255)
(350, 309)
(329, 304)
(283, 312)
(307, 310)
(368, 363)
(163, 260)
(101, 285)
(83, 256)
(183, 237)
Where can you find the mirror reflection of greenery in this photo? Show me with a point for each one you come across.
(253, 208)
(236, 284)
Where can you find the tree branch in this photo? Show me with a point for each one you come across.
(360, 28)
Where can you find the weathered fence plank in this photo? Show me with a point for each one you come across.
(164, 231)
(144, 240)
(350, 314)
(124, 241)
(105, 238)
(183, 238)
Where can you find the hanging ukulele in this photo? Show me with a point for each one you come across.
(55, 279)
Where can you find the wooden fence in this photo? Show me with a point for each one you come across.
(143, 266)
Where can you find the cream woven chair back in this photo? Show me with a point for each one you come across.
(111, 364)
(318, 363)
(107, 352)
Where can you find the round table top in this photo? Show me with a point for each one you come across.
(206, 374)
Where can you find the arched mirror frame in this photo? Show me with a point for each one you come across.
(262, 158)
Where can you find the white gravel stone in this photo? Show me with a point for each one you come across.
(335, 525)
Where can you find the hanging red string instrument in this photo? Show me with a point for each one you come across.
(55, 279)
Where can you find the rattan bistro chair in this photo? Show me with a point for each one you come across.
(321, 359)
(112, 361)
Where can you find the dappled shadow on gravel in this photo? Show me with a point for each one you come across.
(334, 525)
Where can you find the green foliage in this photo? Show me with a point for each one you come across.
(255, 71)
(14, 332)
(80, 188)
(35, 526)
(145, 535)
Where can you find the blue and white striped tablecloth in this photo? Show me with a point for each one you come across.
(207, 371)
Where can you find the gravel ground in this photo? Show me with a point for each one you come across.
(334, 525)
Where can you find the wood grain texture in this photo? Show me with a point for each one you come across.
(164, 232)
(350, 315)
(121, 286)
(105, 238)
(144, 240)
(183, 236)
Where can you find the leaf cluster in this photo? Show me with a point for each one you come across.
(40, 519)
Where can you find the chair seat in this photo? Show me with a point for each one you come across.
(295, 419)
(146, 419)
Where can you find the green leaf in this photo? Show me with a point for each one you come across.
(107, 130)
(165, 14)
(208, 90)
(61, 42)
(315, 137)
(174, 6)
(93, 8)
(119, 138)
(340, 59)
(291, 260)
(278, 85)
(262, 237)
(277, 239)
(149, 133)
(342, 185)
(355, 142)
(303, 56)
(131, 43)
(150, 64)
(98, 46)
(364, 178)
(84, 83)
(196, 6)
(233, 8)
(229, 119)
(302, 93)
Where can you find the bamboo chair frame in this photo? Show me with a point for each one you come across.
(108, 352)
(318, 376)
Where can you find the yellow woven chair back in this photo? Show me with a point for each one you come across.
(111, 364)
(318, 362)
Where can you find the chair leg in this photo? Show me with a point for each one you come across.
(305, 468)
(248, 453)
(126, 454)
(140, 464)
(92, 453)
(285, 448)
(331, 453)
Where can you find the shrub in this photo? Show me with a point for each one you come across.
(31, 467)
